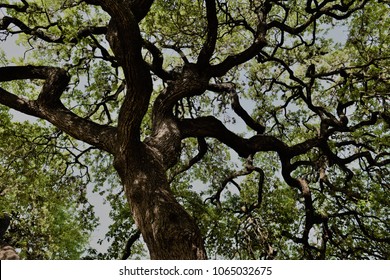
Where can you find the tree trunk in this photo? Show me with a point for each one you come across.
(168, 230)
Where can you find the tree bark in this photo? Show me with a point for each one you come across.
(168, 230)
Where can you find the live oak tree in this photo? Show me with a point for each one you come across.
(151, 82)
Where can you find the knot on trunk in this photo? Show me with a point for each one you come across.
(166, 142)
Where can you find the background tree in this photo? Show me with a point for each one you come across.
(151, 85)
(43, 189)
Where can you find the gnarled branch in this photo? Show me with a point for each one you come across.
(48, 105)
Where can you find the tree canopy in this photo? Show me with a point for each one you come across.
(51, 217)
(248, 129)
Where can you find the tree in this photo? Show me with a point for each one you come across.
(46, 199)
(150, 82)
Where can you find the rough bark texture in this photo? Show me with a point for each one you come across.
(168, 230)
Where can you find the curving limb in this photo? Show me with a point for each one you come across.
(236, 105)
(202, 150)
(48, 105)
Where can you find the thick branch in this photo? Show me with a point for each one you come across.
(125, 40)
(90, 31)
(48, 105)
(6, 21)
(258, 43)
(236, 105)
(158, 60)
(202, 148)
(18, 103)
(212, 127)
(192, 81)
(230, 62)
(240, 111)
(212, 31)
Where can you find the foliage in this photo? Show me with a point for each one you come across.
(51, 217)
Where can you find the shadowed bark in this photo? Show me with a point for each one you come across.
(7, 252)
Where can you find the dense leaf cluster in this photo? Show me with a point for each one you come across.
(43, 191)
